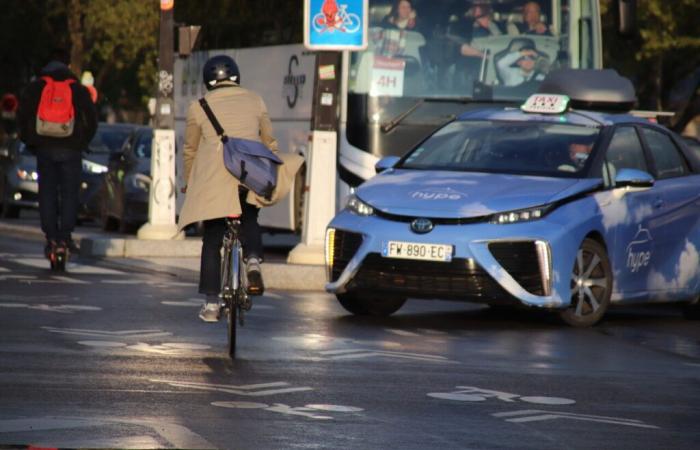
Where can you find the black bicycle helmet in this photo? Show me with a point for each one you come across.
(220, 68)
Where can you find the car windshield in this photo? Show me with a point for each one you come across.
(143, 145)
(527, 148)
(108, 139)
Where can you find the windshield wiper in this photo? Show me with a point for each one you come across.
(393, 123)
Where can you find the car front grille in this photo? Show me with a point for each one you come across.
(459, 279)
(519, 259)
(344, 248)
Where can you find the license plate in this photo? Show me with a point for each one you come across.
(417, 251)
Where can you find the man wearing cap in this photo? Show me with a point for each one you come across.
(519, 66)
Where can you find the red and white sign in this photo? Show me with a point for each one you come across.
(546, 104)
(387, 77)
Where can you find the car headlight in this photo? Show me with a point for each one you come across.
(521, 215)
(141, 182)
(27, 174)
(93, 167)
(359, 207)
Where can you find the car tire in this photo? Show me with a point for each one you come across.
(370, 304)
(691, 311)
(591, 286)
(108, 222)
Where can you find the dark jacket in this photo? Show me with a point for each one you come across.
(85, 116)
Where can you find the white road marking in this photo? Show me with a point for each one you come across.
(64, 309)
(475, 394)
(17, 277)
(431, 331)
(41, 263)
(177, 436)
(364, 353)
(317, 340)
(402, 332)
(69, 280)
(2, 269)
(189, 303)
(310, 411)
(169, 348)
(536, 415)
(134, 334)
(252, 390)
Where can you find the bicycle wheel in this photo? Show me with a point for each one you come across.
(235, 286)
(352, 23)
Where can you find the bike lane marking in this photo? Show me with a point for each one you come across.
(178, 436)
(63, 309)
(311, 411)
(41, 263)
(252, 390)
(536, 415)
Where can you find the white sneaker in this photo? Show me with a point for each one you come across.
(210, 311)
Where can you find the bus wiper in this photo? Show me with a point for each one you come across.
(390, 125)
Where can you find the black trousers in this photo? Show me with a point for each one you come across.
(210, 264)
(59, 188)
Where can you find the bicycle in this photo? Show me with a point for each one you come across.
(344, 21)
(58, 255)
(234, 297)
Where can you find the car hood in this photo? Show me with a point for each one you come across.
(453, 195)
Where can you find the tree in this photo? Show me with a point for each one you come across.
(665, 51)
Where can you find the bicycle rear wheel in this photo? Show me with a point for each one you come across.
(232, 309)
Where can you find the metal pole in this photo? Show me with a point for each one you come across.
(161, 206)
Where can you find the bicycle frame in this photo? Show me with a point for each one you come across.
(233, 295)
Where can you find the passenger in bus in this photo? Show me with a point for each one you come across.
(402, 16)
(477, 23)
(521, 65)
(532, 23)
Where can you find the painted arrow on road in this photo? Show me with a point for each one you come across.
(536, 415)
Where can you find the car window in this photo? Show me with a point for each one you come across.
(528, 148)
(669, 162)
(624, 152)
(108, 139)
(142, 149)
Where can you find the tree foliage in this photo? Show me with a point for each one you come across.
(664, 52)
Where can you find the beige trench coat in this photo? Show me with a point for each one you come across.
(212, 192)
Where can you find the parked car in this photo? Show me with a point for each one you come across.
(693, 143)
(563, 209)
(19, 186)
(126, 186)
(109, 139)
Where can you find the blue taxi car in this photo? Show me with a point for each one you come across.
(569, 203)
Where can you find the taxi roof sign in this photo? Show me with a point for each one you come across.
(546, 104)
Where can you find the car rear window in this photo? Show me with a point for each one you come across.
(549, 149)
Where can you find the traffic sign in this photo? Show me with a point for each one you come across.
(335, 24)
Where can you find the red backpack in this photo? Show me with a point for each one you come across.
(56, 116)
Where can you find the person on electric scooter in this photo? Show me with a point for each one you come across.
(212, 192)
(58, 145)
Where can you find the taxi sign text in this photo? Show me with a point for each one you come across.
(546, 104)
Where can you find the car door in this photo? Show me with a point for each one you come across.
(677, 272)
(632, 215)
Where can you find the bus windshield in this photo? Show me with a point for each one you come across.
(492, 51)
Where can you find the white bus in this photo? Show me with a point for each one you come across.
(405, 85)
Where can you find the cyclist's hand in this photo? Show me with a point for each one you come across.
(184, 189)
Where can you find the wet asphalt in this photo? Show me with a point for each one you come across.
(106, 357)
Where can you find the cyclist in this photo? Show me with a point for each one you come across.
(212, 192)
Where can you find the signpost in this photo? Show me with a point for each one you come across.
(330, 26)
(161, 205)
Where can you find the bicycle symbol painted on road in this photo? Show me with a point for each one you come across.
(334, 17)
(311, 411)
(475, 394)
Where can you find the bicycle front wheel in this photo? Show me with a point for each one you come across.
(232, 310)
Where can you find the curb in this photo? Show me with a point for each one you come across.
(135, 254)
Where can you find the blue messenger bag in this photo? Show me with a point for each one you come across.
(253, 164)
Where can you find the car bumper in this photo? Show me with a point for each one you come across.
(24, 194)
(527, 263)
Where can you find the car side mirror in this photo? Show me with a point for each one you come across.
(386, 163)
(633, 178)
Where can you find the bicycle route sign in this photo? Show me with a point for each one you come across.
(335, 24)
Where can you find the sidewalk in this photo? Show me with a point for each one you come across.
(180, 258)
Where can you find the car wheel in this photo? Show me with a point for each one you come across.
(691, 311)
(108, 222)
(370, 304)
(591, 286)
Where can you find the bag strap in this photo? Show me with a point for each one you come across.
(212, 118)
